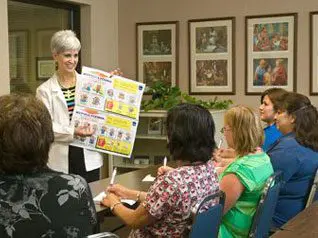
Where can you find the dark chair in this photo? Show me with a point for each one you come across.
(103, 235)
(262, 219)
(313, 195)
(207, 223)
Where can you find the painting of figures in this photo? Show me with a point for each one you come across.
(157, 71)
(270, 72)
(211, 73)
(211, 39)
(270, 37)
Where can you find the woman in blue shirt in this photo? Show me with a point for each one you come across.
(295, 153)
(267, 113)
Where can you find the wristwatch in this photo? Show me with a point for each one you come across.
(113, 207)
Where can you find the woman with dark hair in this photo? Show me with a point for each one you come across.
(165, 210)
(295, 153)
(267, 112)
(36, 201)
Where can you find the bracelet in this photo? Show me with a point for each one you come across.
(113, 207)
(138, 196)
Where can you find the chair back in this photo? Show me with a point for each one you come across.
(313, 195)
(207, 223)
(262, 219)
(103, 235)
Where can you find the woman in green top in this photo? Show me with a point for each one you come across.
(243, 180)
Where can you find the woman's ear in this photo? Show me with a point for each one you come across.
(292, 119)
(54, 55)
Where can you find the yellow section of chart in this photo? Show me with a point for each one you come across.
(129, 87)
(119, 122)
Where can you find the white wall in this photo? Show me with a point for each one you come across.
(4, 49)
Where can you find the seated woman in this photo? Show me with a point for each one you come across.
(269, 97)
(165, 209)
(243, 180)
(36, 201)
(295, 153)
(267, 112)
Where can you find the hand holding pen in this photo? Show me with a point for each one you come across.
(163, 169)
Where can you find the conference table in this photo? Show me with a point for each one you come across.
(303, 225)
(132, 180)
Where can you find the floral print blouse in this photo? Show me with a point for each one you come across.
(46, 204)
(173, 195)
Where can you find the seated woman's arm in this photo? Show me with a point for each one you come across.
(233, 188)
(133, 218)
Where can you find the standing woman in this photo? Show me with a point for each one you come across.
(58, 95)
(295, 154)
(267, 113)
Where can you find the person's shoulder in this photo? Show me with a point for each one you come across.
(70, 179)
(47, 84)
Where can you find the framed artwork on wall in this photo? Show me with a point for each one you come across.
(211, 46)
(270, 52)
(45, 68)
(313, 53)
(157, 50)
(154, 126)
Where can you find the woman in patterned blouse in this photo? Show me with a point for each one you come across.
(36, 201)
(164, 210)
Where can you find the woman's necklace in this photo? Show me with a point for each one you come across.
(67, 84)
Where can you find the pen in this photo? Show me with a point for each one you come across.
(165, 161)
(220, 143)
(112, 180)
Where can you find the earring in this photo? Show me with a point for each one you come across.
(56, 65)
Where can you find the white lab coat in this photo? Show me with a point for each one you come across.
(52, 96)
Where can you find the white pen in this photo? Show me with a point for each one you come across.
(220, 143)
(112, 180)
(165, 161)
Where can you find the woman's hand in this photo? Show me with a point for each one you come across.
(121, 191)
(117, 72)
(223, 156)
(84, 131)
(110, 200)
(163, 169)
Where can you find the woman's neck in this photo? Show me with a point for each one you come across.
(66, 79)
(270, 123)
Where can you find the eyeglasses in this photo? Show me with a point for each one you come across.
(223, 129)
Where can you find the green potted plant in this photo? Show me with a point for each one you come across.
(165, 97)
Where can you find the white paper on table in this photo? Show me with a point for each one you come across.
(148, 178)
(100, 197)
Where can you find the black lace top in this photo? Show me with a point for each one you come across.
(45, 204)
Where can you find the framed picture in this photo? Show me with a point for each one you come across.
(157, 49)
(271, 52)
(313, 53)
(154, 126)
(211, 46)
(18, 51)
(45, 67)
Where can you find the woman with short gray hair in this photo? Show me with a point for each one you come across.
(58, 95)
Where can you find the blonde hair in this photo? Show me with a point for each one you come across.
(246, 129)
